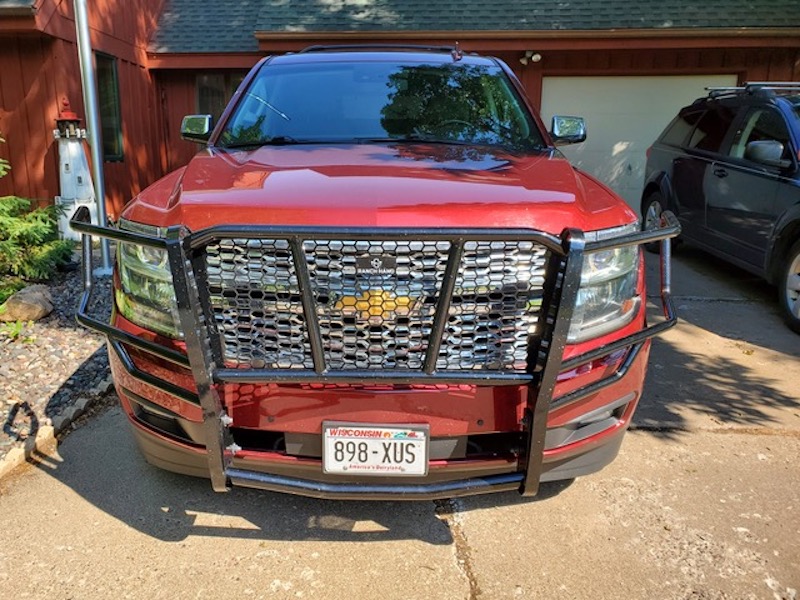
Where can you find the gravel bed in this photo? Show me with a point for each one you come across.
(52, 364)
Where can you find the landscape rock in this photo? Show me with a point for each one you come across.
(29, 304)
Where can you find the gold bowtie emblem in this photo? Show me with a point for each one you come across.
(375, 303)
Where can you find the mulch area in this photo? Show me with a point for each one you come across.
(47, 366)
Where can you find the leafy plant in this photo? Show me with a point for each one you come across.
(17, 330)
(29, 244)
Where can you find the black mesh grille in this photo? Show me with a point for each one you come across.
(375, 300)
(495, 307)
(256, 306)
(375, 303)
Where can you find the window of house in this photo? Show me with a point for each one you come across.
(108, 100)
(214, 91)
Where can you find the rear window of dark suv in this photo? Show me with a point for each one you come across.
(710, 131)
(681, 127)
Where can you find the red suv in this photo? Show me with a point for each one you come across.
(379, 279)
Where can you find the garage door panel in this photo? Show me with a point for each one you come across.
(624, 115)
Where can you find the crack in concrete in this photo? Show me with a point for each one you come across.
(451, 514)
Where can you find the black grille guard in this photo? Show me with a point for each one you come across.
(545, 355)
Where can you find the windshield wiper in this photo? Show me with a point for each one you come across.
(278, 140)
(280, 113)
(411, 139)
(421, 139)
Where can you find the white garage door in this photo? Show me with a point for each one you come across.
(624, 115)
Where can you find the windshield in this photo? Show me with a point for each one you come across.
(377, 101)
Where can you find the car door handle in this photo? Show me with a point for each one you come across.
(720, 172)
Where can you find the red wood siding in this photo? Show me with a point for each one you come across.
(29, 96)
(120, 28)
(178, 92)
(37, 73)
(38, 69)
(178, 99)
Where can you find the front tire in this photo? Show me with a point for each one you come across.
(789, 288)
(652, 208)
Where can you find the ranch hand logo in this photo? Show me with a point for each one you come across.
(376, 265)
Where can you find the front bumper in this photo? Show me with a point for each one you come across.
(219, 458)
(304, 479)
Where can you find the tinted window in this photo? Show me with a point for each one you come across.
(711, 129)
(761, 124)
(353, 101)
(676, 132)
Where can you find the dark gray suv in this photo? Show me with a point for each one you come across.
(728, 167)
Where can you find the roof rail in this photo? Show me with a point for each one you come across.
(346, 47)
(753, 87)
(715, 91)
(791, 85)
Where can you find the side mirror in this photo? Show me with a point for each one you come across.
(568, 130)
(767, 152)
(196, 128)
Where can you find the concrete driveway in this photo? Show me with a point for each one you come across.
(703, 501)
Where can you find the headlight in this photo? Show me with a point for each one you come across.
(146, 296)
(607, 298)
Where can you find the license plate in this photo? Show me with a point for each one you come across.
(388, 450)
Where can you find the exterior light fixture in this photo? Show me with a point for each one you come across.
(530, 56)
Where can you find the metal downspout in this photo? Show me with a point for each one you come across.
(89, 86)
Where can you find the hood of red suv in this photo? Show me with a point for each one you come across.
(380, 185)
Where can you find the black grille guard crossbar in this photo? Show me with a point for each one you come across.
(545, 354)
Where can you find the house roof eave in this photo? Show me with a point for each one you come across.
(203, 60)
(18, 19)
(629, 39)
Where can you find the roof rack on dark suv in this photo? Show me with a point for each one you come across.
(754, 87)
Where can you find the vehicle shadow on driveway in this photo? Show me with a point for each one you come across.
(730, 362)
(100, 463)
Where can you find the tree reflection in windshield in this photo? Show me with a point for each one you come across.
(378, 101)
(465, 104)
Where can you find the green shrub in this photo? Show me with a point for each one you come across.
(29, 244)
(9, 285)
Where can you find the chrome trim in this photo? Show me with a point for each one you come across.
(136, 227)
(366, 491)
